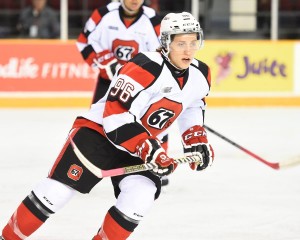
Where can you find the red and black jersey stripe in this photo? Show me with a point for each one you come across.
(156, 24)
(142, 69)
(83, 122)
(128, 135)
(114, 106)
(96, 17)
(205, 71)
(88, 52)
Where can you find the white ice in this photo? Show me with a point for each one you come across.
(238, 198)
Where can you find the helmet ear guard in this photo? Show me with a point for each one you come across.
(178, 23)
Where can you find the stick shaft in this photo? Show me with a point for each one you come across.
(270, 164)
(100, 173)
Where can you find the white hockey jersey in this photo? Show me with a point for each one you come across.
(145, 97)
(106, 30)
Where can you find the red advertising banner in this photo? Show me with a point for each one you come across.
(43, 66)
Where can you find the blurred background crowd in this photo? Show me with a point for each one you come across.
(220, 19)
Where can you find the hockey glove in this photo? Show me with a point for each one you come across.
(195, 143)
(107, 63)
(150, 151)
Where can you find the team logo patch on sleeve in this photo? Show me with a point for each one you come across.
(75, 172)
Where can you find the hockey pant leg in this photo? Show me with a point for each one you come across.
(45, 199)
(134, 201)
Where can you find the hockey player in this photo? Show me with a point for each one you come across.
(114, 34)
(124, 128)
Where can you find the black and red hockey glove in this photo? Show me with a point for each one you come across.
(195, 143)
(151, 151)
(107, 63)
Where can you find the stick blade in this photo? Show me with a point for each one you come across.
(294, 161)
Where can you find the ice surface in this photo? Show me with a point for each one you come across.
(238, 198)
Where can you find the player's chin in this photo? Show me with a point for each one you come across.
(135, 7)
(185, 63)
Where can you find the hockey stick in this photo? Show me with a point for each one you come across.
(277, 166)
(100, 173)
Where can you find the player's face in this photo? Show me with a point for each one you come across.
(39, 4)
(133, 5)
(182, 49)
